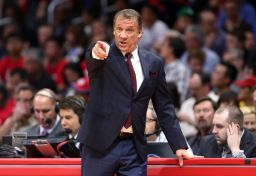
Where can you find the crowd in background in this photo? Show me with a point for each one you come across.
(208, 48)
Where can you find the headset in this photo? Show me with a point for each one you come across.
(49, 94)
(78, 101)
(81, 105)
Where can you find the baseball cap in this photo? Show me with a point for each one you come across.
(82, 85)
(247, 82)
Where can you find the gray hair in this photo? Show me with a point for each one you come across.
(129, 14)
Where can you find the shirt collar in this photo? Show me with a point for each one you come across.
(70, 136)
(135, 54)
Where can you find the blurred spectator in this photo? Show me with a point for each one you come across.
(54, 62)
(214, 37)
(74, 40)
(82, 88)
(236, 57)
(99, 32)
(249, 118)
(223, 77)
(228, 98)
(199, 87)
(237, 14)
(184, 19)
(13, 59)
(86, 22)
(235, 39)
(6, 104)
(152, 128)
(203, 110)
(21, 118)
(153, 30)
(175, 71)
(72, 72)
(196, 60)
(16, 77)
(37, 76)
(44, 33)
(46, 114)
(194, 39)
(229, 139)
(245, 93)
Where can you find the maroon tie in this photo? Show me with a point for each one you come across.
(128, 57)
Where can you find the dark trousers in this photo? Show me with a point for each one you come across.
(121, 159)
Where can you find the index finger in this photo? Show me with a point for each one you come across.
(102, 46)
(180, 158)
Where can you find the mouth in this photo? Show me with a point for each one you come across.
(217, 138)
(122, 43)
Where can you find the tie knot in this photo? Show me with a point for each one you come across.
(128, 56)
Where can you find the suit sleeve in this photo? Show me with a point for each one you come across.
(92, 64)
(166, 114)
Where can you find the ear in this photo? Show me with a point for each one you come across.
(140, 34)
(114, 32)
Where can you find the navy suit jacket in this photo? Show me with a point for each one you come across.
(210, 149)
(112, 99)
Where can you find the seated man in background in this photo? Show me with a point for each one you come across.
(46, 114)
(203, 111)
(229, 139)
(71, 114)
(21, 118)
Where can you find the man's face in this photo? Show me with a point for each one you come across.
(220, 126)
(218, 76)
(191, 41)
(208, 21)
(127, 34)
(195, 86)
(244, 94)
(250, 122)
(24, 99)
(69, 121)
(150, 122)
(204, 112)
(44, 109)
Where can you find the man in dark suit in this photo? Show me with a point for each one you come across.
(46, 113)
(229, 139)
(123, 78)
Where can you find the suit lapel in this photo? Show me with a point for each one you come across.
(119, 67)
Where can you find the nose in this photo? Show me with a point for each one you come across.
(249, 126)
(63, 123)
(123, 34)
(214, 130)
